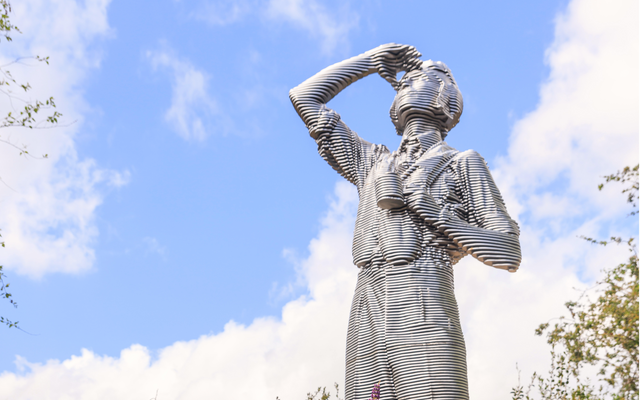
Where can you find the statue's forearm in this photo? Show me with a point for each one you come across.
(497, 249)
(494, 248)
(311, 94)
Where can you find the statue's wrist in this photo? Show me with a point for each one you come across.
(377, 61)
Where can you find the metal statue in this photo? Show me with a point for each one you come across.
(422, 208)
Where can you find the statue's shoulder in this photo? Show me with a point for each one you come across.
(470, 156)
(470, 162)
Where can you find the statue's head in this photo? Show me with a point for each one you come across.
(428, 92)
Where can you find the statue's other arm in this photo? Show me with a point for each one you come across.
(488, 233)
(337, 144)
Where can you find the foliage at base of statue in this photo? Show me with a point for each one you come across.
(559, 385)
(321, 394)
(601, 332)
(604, 332)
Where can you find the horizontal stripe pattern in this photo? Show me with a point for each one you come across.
(428, 212)
(404, 331)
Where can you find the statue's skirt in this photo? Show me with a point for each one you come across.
(404, 332)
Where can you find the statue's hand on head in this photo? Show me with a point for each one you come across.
(391, 58)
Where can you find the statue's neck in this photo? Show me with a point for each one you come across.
(419, 136)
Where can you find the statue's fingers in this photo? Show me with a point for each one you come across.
(390, 55)
(411, 64)
(413, 55)
(410, 51)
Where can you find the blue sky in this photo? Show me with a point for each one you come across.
(184, 192)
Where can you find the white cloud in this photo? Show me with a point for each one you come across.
(500, 311)
(49, 205)
(305, 347)
(191, 105)
(271, 357)
(586, 123)
(584, 126)
(332, 27)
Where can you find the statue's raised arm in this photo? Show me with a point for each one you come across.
(337, 144)
(387, 60)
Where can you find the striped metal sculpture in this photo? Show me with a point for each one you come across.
(422, 208)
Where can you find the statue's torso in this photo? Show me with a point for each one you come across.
(404, 328)
(399, 236)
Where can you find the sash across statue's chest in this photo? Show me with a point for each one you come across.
(398, 235)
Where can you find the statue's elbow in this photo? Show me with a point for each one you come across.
(510, 266)
(508, 259)
(293, 95)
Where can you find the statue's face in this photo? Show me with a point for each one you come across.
(418, 94)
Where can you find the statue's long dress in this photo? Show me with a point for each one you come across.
(404, 328)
